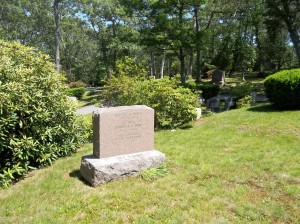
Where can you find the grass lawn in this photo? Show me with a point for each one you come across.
(240, 166)
(90, 99)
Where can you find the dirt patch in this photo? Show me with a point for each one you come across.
(201, 121)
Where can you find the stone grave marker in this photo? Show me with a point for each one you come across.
(218, 77)
(123, 130)
(123, 144)
(229, 103)
(213, 104)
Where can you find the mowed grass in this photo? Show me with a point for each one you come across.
(240, 166)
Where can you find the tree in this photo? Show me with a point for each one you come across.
(288, 12)
(168, 26)
(113, 31)
(79, 55)
(181, 36)
(57, 33)
(198, 50)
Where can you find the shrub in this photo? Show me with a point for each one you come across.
(244, 102)
(84, 128)
(77, 92)
(174, 106)
(209, 90)
(129, 67)
(243, 89)
(190, 85)
(37, 123)
(283, 89)
(77, 84)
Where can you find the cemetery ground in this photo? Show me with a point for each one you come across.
(239, 166)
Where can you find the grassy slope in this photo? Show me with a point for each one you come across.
(239, 166)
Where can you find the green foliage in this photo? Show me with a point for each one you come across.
(174, 106)
(244, 55)
(206, 112)
(37, 122)
(191, 85)
(283, 89)
(243, 89)
(244, 102)
(209, 90)
(77, 84)
(224, 58)
(129, 67)
(154, 173)
(84, 128)
(77, 92)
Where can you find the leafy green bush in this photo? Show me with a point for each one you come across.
(174, 106)
(191, 85)
(129, 67)
(84, 128)
(243, 89)
(283, 89)
(77, 92)
(77, 84)
(37, 122)
(209, 90)
(244, 102)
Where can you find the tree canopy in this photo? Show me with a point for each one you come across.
(86, 38)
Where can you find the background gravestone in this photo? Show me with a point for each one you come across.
(218, 77)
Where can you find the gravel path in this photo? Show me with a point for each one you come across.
(87, 110)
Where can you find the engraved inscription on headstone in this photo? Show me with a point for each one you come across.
(123, 130)
(123, 144)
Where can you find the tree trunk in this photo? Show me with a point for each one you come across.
(291, 24)
(258, 64)
(198, 50)
(115, 51)
(190, 68)
(107, 70)
(182, 65)
(169, 67)
(152, 64)
(57, 34)
(162, 66)
(296, 42)
(285, 14)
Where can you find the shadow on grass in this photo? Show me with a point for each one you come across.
(265, 108)
(90, 100)
(76, 174)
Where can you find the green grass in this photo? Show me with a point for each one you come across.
(240, 166)
(236, 78)
(90, 99)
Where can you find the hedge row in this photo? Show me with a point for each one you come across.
(283, 89)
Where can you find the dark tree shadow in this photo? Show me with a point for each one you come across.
(76, 174)
(266, 108)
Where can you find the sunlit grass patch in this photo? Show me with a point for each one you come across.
(240, 166)
(154, 173)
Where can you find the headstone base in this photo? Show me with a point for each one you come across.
(98, 171)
